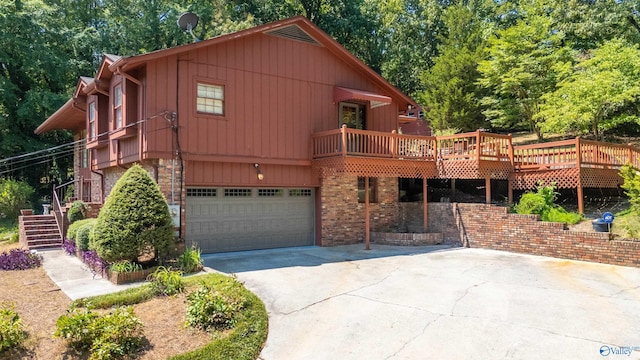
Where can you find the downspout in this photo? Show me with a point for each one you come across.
(101, 185)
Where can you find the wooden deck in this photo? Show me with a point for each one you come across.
(574, 163)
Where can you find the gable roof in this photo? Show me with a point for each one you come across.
(297, 28)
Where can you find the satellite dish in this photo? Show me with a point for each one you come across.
(187, 22)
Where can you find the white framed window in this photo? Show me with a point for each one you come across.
(210, 99)
(117, 106)
(92, 120)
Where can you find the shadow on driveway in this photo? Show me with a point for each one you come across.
(243, 261)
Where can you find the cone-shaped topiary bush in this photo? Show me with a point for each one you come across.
(134, 218)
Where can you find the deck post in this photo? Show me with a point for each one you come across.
(510, 189)
(478, 146)
(366, 211)
(453, 187)
(425, 219)
(487, 185)
(579, 179)
(392, 143)
(343, 132)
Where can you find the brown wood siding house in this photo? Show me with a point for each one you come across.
(225, 126)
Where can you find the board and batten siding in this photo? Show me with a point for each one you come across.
(278, 92)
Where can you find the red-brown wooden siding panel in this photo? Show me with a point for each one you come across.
(128, 149)
(278, 92)
(200, 173)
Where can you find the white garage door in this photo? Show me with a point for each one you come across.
(234, 219)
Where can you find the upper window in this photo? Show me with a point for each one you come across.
(210, 99)
(92, 120)
(117, 106)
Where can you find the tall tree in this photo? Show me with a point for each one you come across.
(37, 71)
(525, 61)
(599, 93)
(409, 32)
(451, 92)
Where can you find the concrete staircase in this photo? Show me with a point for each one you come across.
(39, 231)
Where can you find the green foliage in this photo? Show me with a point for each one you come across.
(207, 309)
(558, 214)
(542, 203)
(77, 211)
(190, 261)
(72, 231)
(246, 339)
(166, 281)
(14, 195)
(129, 296)
(111, 336)
(631, 185)
(125, 266)
(526, 61)
(450, 86)
(83, 233)
(599, 95)
(9, 230)
(134, 217)
(12, 333)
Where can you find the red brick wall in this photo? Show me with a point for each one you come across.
(492, 227)
(343, 218)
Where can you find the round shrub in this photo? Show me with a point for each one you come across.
(73, 228)
(77, 211)
(134, 217)
(206, 309)
(82, 235)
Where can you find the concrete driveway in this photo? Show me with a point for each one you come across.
(438, 303)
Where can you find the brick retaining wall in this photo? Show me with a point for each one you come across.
(493, 227)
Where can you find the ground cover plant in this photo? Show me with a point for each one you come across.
(19, 259)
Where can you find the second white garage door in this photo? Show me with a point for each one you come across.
(235, 219)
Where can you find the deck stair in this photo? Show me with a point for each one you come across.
(39, 231)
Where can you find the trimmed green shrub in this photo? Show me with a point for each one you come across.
(542, 203)
(73, 228)
(77, 211)
(206, 309)
(14, 195)
(190, 261)
(166, 281)
(11, 332)
(82, 235)
(134, 217)
(115, 335)
(631, 176)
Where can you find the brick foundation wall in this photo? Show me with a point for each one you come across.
(406, 239)
(493, 227)
(343, 218)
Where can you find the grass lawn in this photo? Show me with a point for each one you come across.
(39, 303)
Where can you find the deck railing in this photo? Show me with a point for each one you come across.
(345, 141)
(574, 153)
(478, 145)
